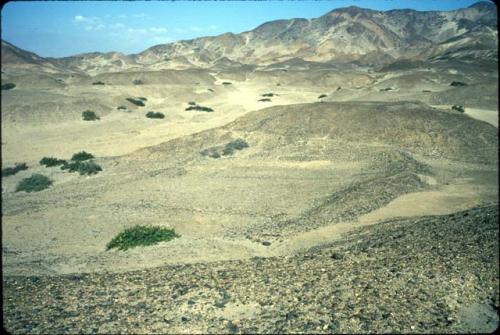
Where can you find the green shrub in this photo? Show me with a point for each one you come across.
(136, 102)
(89, 116)
(142, 98)
(98, 83)
(154, 115)
(192, 103)
(268, 94)
(386, 89)
(238, 144)
(8, 86)
(84, 168)
(82, 156)
(265, 99)
(141, 236)
(457, 83)
(211, 90)
(322, 96)
(9, 171)
(458, 108)
(35, 183)
(138, 82)
(51, 161)
(121, 107)
(210, 152)
(226, 83)
(199, 108)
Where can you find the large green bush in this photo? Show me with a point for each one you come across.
(35, 183)
(89, 115)
(82, 156)
(83, 168)
(136, 102)
(199, 108)
(9, 171)
(141, 236)
(238, 144)
(52, 161)
(155, 115)
(8, 86)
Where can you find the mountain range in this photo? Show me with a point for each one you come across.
(350, 35)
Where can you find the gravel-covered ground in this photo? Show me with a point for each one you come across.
(429, 274)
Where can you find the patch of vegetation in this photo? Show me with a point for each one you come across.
(89, 115)
(339, 88)
(136, 102)
(226, 83)
(35, 183)
(8, 86)
(268, 95)
(121, 107)
(52, 161)
(426, 91)
(10, 171)
(386, 89)
(155, 115)
(138, 82)
(238, 144)
(142, 98)
(210, 152)
(265, 99)
(98, 83)
(211, 90)
(457, 83)
(322, 96)
(458, 108)
(278, 84)
(84, 168)
(199, 108)
(192, 103)
(81, 156)
(141, 236)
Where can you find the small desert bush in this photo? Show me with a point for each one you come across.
(141, 236)
(35, 183)
(136, 102)
(52, 161)
(458, 108)
(457, 83)
(265, 99)
(89, 116)
(98, 83)
(226, 83)
(238, 144)
(386, 89)
(268, 94)
(142, 98)
(199, 108)
(121, 107)
(210, 152)
(155, 115)
(138, 82)
(322, 96)
(192, 103)
(83, 168)
(81, 156)
(8, 86)
(9, 171)
(211, 90)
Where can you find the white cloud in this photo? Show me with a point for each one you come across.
(117, 26)
(213, 26)
(89, 22)
(158, 30)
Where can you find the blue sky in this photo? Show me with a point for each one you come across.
(64, 28)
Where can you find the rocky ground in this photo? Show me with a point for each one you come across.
(429, 274)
